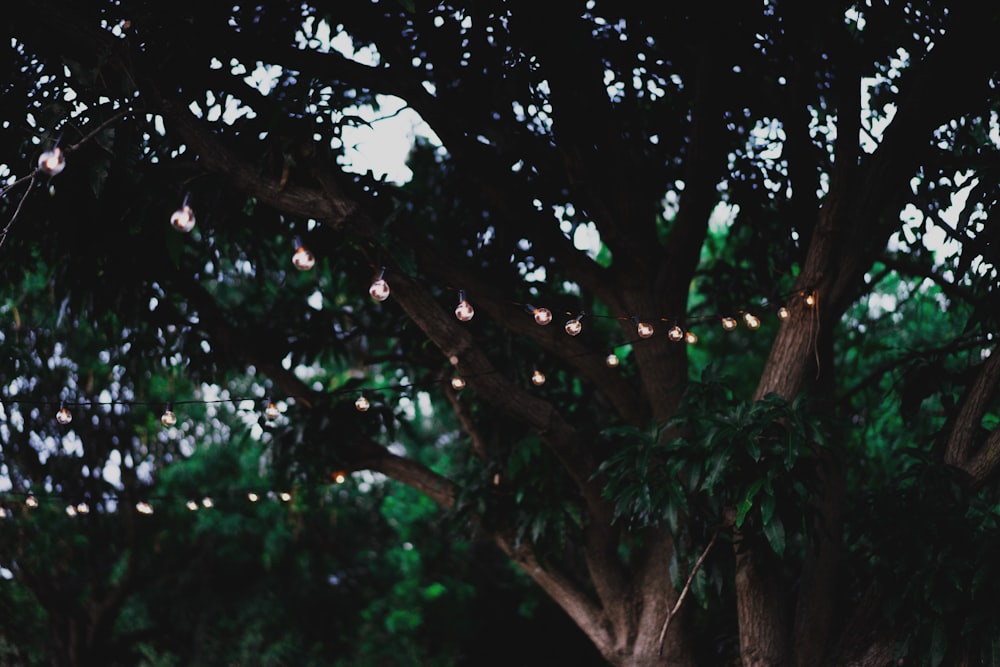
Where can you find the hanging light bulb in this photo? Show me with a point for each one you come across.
(676, 333)
(457, 383)
(168, 418)
(690, 337)
(143, 507)
(191, 505)
(285, 496)
(83, 508)
(339, 477)
(302, 258)
(271, 412)
(811, 299)
(574, 326)
(362, 403)
(183, 218)
(783, 313)
(464, 311)
(728, 323)
(751, 320)
(52, 161)
(380, 288)
(537, 378)
(612, 360)
(207, 502)
(31, 501)
(70, 510)
(643, 329)
(542, 316)
(64, 416)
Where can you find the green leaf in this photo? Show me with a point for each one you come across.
(774, 531)
(747, 502)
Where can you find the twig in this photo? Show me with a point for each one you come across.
(17, 211)
(684, 591)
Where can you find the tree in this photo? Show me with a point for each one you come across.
(812, 486)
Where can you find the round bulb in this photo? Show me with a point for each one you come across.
(538, 378)
(464, 311)
(612, 360)
(542, 315)
(207, 502)
(574, 327)
(362, 404)
(31, 501)
(457, 383)
(751, 320)
(811, 299)
(253, 497)
(52, 161)
(143, 507)
(691, 337)
(728, 323)
(168, 418)
(64, 416)
(379, 290)
(644, 329)
(783, 313)
(83, 508)
(675, 334)
(272, 411)
(70, 510)
(339, 477)
(303, 259)
(183, 219)
(191, 505)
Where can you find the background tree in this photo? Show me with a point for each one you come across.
(814, 486)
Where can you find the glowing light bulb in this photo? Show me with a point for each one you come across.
(728, 323)
(751, 320)
(3, 512)
(537, 378)
(362, 404)
(191, 505)
(612, 360)
(457, 383)
(271, 412)
(207, 502)
(783, 313)
(64, 416)
(70, 510)
(690, 337)
(676, 334)
(31, 501)
(253, 497)
(644, 329)
(302, 258)
(811, 299)
(168, 418)
(464, 311)
(143, 507)
(83, 508)
(52, 161)
(574, 326)
(542, 316)
(339, 477)
(183, 219)
(285, 496)
(380, 288)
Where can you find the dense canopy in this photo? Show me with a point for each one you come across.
(687, 311)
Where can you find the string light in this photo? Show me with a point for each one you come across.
(751, 320)
(285, 496)
(783, 313)
(612, 360)
(811, 299)
(168, 418)
(537, 378)
(676, 333)
(191, 505)
(362, 403)
(690, 337)
(52, 161)
(64, 416)
(207, 502)
(464, 311)
(271, 412)
(542, 316)
(457, 383)
(574, 326)
(379, 289)
(339, 477)
(31, 501)
(252, 497)
(143, 507)
(728, 323)
(643, 329)
(302, 258)
(183, 218)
